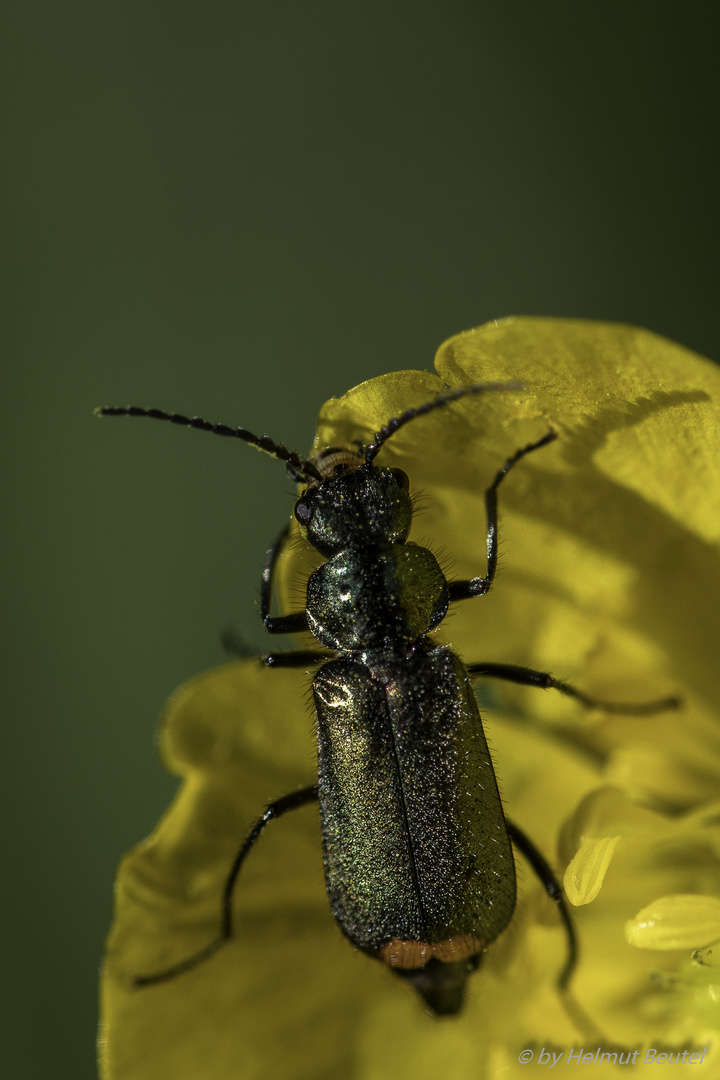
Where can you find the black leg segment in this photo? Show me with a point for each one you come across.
(554, 891)
(464, 590)
(274, 810)
(296, 658)
(294, 623)
(528, 677)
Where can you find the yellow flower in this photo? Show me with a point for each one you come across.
(610, 579)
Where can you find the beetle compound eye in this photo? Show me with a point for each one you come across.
(303, 513)
(402, 478)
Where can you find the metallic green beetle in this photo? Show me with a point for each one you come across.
(418, 854)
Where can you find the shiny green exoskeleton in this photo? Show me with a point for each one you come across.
(419, 859)
(418, 862)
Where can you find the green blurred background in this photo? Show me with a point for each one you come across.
(239, 210)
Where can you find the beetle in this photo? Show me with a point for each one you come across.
(418, 853)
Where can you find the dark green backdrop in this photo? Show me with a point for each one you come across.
(240, 209)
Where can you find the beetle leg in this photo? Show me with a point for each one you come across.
(529, 677)
(463, 590)
(296, 658)
(554, 890)
(294, 623)
(274, 810)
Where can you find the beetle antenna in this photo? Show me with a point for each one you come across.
(299, 470)
(389, 429)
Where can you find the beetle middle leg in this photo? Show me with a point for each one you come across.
(529, 677)
(275, 810)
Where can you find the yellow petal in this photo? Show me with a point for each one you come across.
(610, 577)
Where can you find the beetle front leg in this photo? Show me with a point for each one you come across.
(464, 590)
(296, 622)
